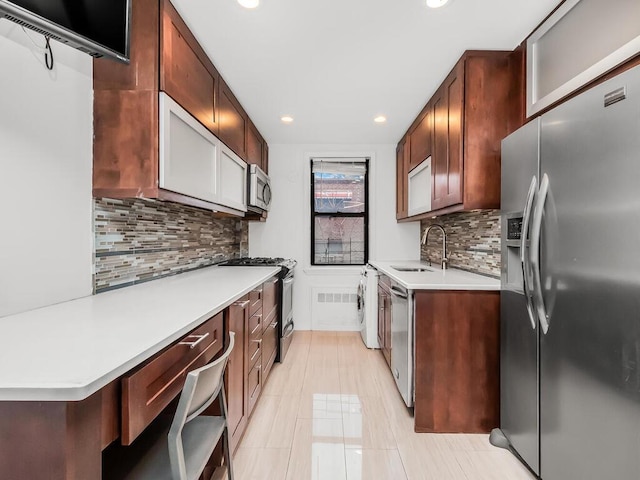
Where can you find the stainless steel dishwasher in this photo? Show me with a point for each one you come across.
(402, 340)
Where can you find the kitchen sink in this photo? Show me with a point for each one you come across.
(407, 268)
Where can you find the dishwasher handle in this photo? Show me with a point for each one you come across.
(398, 292)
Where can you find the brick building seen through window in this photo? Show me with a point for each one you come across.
(339, 212)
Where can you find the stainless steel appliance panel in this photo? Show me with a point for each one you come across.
(590, 282)
(287, 323)
(402, 340)
(519, 335)
(259, 184)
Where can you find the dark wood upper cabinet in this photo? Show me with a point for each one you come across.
(265, 157)
(447, 162)
(479, 103)
(187, 75)
(232, 127)
(255, 145)
(402, 203)
(421, 135)
(165, 56)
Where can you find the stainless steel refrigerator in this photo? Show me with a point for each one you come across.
(570, 313)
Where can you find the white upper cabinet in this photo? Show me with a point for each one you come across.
(580, 41)
(196, 163)
(233, 173)
(420, 188)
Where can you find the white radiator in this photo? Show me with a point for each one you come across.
(334, 308)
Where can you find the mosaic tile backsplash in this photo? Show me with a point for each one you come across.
(138, 240)
(473, 241)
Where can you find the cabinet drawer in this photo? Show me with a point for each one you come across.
(147, 390)
(255, 351)
(269, 347)
(255, 299)
(270, 287)
(255, 324)
(270, 318)
(254, 380)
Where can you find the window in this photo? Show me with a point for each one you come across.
(339, 212)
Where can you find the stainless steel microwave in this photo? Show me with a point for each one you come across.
(259, 189)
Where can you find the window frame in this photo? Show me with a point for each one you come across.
(365, 215)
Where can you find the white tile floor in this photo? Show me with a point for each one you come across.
(332, 411)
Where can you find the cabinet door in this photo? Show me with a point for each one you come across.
(237, 370)
(232, 128)
(185, 74)
(447, 140)
(188, 153)
(233, 180)
(265, 157)
(402, 179)
(420, 138)
(254, 383)
(254, 145)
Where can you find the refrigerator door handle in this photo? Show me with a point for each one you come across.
(534, 253)
(526, 268)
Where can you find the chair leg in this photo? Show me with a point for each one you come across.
(227, 452)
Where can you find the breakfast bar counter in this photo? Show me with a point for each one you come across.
(60, 366)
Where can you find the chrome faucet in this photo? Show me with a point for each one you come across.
(425, 236)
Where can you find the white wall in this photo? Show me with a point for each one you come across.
(46, 118)
(286, 233)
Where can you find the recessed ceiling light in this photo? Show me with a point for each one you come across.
(436, 3)
(380, 119)
(249, 3)
(287, 119)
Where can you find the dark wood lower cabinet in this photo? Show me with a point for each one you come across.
(457, 363)
(237, 369)
(51, 440)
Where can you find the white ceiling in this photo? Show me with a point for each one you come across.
(336, 64)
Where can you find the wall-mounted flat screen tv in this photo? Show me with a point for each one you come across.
(97, 27)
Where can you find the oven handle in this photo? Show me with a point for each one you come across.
(288, 331)
(395, 291)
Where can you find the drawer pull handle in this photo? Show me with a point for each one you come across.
(257, 341)
(257, 327)
(256, 352)
(200, 338)
(274, 324)
(242, 304)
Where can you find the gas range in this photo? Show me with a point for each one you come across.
(286, 264)
(286, 324)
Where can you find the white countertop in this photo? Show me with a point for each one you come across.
(450, 279)
(71, 350)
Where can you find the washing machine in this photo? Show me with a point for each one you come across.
(368, 306)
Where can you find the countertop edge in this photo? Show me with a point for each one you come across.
(79, 392)
(469, 281)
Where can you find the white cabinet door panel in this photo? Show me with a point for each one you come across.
(233, 180)
(189, 153)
